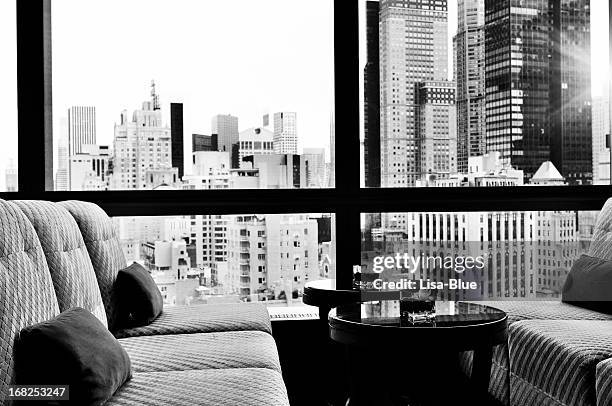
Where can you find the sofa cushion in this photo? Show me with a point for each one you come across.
(558, 357)
(139, 300)
(73, 349)
(27, 295)
(104, 247)
(602, 234)
(545, 310)
(603, 383)
(232, 349)
(205, 318)
(589, 284)
(71, 269)
(212, 387)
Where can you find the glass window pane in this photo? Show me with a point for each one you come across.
(458, 94)
(8, 97)
(509, 255)
(192, 95)
(232, 258)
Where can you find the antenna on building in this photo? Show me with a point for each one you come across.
(154, 97)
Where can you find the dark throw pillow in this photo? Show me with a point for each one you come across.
(589, 284)
(73, 349)
(138, 298)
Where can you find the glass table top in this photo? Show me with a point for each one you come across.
(387, 313)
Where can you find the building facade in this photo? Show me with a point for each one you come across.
(81, 128)
(226, 128)
(371, 113)
(285, 133)
(538, 81)
(255, 141)
(90, 170)
(176, 134)
(601, 130)
(469, 62)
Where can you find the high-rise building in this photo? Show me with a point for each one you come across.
(90, 169)
(469, 62)
(436, 135)
(81, 128)
(601, 130)
(285, 133)
(538, 81)
(176, 126)
(140, 144)
(201, 143)
(10, 176)
(226, 128)
(314, 159)
(371, 112)
(256, 141)
(413, 49)
(62, 177)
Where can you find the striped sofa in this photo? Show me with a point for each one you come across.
(55, 256)
(557, 354)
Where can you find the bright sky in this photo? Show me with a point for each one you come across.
(242, 57)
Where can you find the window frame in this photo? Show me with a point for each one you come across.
(348, 200)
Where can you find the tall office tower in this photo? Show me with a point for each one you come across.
(81, 128)
(538, 81)
(176, 128)
(470, 78)
(10, 176)
(601, 130)
(285, 133)
(436, 135)
(140, 144)
(413, 49)
(226, 128)
(62, 176)
(371, 112)
(315, 167)
(201, 143)
(255, 141)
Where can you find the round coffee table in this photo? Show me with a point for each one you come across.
(381, 342)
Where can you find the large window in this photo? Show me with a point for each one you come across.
(8, 97)
(508, 255)
(475, 93)
(231, 258)
(192, 95)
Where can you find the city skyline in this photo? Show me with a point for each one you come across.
(217, 70)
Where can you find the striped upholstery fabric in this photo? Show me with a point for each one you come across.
(71, 270)
(103, 246)
(559, 358)
(212, 387)
(233, 349)
(603, 383)
(523, 393)
(601, 246)
(524, 310)
(205, 319)
(26, 290)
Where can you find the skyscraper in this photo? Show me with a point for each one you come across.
(470, 78)
(371, 112)
(62, 176)
(538, 80)
(315, 167)
(226, 128)
(436, 136)
(140, 144)
(413, 49)
(285, 133)
(601, 130)
(81, 128)
(176, 126)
